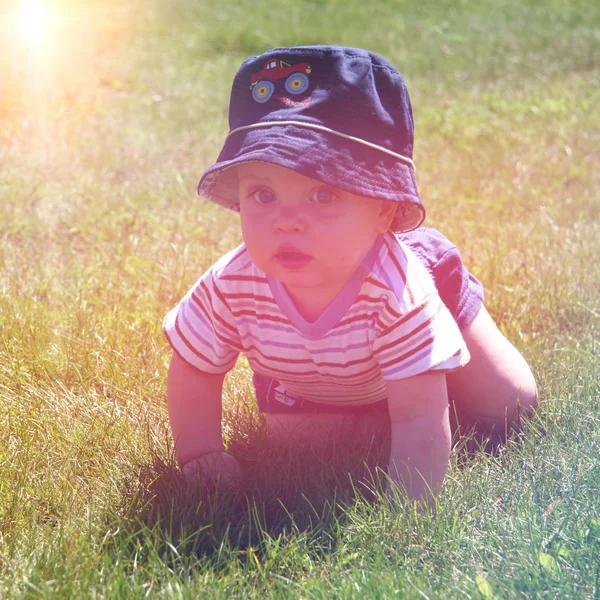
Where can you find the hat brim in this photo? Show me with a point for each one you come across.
(344, 164)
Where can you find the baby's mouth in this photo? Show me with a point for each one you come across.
(290, 257)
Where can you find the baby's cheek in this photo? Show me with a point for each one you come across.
(341, 258)
(254, 243)
(250, 227)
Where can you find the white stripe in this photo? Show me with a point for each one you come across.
(404, 159)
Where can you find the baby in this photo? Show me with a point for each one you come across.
(352, 316)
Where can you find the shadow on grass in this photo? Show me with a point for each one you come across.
(286, 493)
(470, 439)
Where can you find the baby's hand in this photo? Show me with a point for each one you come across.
(218, 466)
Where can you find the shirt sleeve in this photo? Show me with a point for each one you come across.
(201, 328)
(458, 288)
(425, 338)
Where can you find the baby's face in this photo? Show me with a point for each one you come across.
(303, 232)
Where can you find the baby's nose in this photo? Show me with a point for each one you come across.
(290, 219)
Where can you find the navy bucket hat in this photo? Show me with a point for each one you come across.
(339, 115)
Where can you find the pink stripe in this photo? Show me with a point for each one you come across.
(252, 351)
(188, 345)
(189, 328)
(387, 373)
(392, 351)
(201, 317)
(334, 333)
(342, 395)
(311, 351)
(369, 375)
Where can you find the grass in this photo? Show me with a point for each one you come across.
(102, 140)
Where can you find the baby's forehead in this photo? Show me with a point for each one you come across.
(278, 177)
(260, 169)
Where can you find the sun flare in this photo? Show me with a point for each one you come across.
(36, 24)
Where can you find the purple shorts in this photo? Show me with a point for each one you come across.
(461, 292)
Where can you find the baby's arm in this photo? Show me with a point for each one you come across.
(421, 437)
(194, 402)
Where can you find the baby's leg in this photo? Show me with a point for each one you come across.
(497, 386)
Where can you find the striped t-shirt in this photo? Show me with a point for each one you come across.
(387, 323)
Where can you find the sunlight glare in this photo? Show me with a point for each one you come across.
(36, 23)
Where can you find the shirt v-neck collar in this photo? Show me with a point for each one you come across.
(336, 309)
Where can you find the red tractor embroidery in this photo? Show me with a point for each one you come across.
(296, 81)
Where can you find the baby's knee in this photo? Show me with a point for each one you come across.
(517, 397)
(515, 394)
(526, 393)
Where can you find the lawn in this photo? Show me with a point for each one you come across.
(109, 112)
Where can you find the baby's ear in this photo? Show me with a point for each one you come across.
(387, 210)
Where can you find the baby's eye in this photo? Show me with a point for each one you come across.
(263, 196)
(323, 195)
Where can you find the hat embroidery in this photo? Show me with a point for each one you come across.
(291, 103)
(296, 79)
